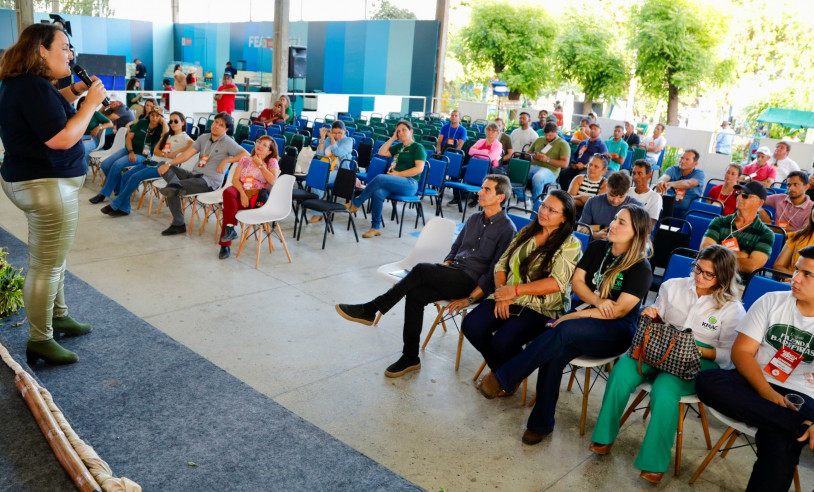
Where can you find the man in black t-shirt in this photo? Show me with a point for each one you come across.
(630, 135)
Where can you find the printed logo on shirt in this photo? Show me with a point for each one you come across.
(710, 324)
(617, 284)
(801, 341)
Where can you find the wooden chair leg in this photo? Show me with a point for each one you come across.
(460, 347)
(379, 316)
(259, 230)
(285, 246)
(192, 216)
(679, 437)
(244, 234)
(731, 442)
(632, 407)
(438, 317)
(480, 370)
(143, 195)
(646, 412)
(711, 454)
(525, 390)
(573, 376)
(267, 228)
(150, 205)
(703, 411)
(206, 210)
(585, 390)
(797, 486)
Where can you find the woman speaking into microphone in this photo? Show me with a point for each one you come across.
(43, 171)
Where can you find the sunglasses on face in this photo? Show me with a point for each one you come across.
(175, 121)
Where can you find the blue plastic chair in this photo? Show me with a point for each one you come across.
(378, 165)
(711, 184)
(699, 220)
(518, 221)
(273, 130)
(377, 145)
(456, 158)
(256, 131)
(584, 239)
(317, 178)
(302, 122)
(436, 180)
(771, 211)
(759, 285)
(411, 199)
(777, 247)
(700, 203)
(248, 145)
(280, 141)
(679, 266)
(473, 179)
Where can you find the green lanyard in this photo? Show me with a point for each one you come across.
(599, 274)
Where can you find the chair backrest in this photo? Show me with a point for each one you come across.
(679, 266)
(476, 170)
(317, 176)
(518, 171)
(770, 211)
(248, 145)
(699, 220)
(759, 285)
(256, 131)
(280, 141)
(639, 154)
(438, 170)
(345, 183)
(279, 201)
(628, 161)
(584, 239)
(518, 221)
(670, 233)
(456, 158)
(378, 165)
(712, 183)
(703, 203)
(777, 247)
(433, 243)
(118, 140)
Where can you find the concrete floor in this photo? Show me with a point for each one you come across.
(275, 328)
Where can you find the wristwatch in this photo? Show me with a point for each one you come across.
(471, 300)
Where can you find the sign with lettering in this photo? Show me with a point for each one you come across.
(260, 42)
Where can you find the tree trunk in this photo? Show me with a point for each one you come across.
(672, 105)
(514, 96)
(587, 105)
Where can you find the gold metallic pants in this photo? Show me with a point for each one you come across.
(51, 206)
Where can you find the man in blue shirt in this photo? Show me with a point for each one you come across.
(452, 134)
(723, 141)
(683, 181)
(141, 73)
(466, 275)
(585, 150)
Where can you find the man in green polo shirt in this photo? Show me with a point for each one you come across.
(742, 232)
(549, 154)
(617, 147)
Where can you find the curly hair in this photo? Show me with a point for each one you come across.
(24, 56)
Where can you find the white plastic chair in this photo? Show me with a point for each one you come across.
(156, 184)
(261, 220)
(208, 200)
(97, 156)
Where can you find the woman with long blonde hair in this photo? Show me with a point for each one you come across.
(612, 279)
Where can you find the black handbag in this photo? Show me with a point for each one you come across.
(665, 348)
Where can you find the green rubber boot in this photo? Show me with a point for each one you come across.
(70, 327)
(49, 351)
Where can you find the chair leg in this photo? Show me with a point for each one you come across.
(244, 234)
(143, 194)
(192, 216)
(206, 210)
(525, 391)
(379, 317)
(679, 437)
(267, 228)
(460, 348)
(438, 317)
(703, 411)
(731, 442)
(585, 390)
(282, 240)
(797, 486)
(480, 370)
(573, 376)
(259, 229)
(632, 407)
(218, 223)
(712, 454)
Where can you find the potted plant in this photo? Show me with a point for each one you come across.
(11, 287)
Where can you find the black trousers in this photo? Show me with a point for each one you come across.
(426, 283)
(567, 175)
(778, 450)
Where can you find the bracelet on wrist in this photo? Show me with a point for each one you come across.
(516, 294)
(73, 89)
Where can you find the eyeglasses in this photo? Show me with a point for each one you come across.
(707, 275)
(175, 121)
(265, 146)
(548, 209)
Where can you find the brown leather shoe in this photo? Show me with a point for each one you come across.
(531, 438)
(652, 477)
(489, 387)
(372, 233)
(350, 207)
(314, 219)
(600, 448)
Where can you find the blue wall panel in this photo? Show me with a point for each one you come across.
(94, 35)
(8, 28)
(315, 72)
(334, 61)
(377, 37)
(118, 38)
(353, 74)
(141, 46)
(400, 56)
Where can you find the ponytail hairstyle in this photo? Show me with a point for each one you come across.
(639, 249)
(169, 132)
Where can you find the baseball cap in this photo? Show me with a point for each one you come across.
(753, 188)
(764, 150)
(596, 124)
(586, 120)
(114, 96)
(167, 81)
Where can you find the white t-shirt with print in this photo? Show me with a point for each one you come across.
(651, 200)
(774, 321)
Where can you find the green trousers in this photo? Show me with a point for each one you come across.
(656, 450)
(51, 206)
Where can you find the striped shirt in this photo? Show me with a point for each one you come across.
(590, 188)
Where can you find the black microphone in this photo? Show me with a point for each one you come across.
(83, 75)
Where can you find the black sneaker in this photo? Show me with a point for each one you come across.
(97, 198)
(174, 229)
(229, 234)
(356, 312)
(403, 366)
(117, 213)
(224, 252)
(454, 201)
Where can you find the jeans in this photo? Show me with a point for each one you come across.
(129, 183)
(540, 177)
(113, 175)
(51, 207)
(231, 206)
(426, 283)
(498, 340)
(553, 350)
(379, 189)
(567, 175)
(191, 182)
(89, 143)
(778, 450)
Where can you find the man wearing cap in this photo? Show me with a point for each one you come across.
(723, 141)
(683, 181)
(781, 162)
(523, 137)
(793, 208)
(226, 102)
(760, 170)
(585, 150)
(655, 144)
(583, 132)
(215, 151)
(630, 135)
(617, 148)
(550, 119)
(549, 155)
(118, 113)
(168, 87)
(742, 232)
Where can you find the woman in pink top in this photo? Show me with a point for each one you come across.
(489, 146)
(727, 192)
(251, 182)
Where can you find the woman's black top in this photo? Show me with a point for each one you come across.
(635, 280)
(32, 111)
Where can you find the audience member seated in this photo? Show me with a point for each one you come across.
(251, 183)
(141, 140)
(149, 104)
(723, 141)
(586, 149)
(337, 148)
(684, 181)
(134, 98)
(172, 144)
(549, 154)
(558, 113)
(95, 131)
(272, 115)
(655, 145)
(600, 210)
(743, 232)
(779, 327)
(542, 117)
(215, 151)
(289, 113)
(584, 187)
(706, 302)
(465, 276)
(583, 132)
(641, 191)
(524, 137)
(452, 134)
(617, 148)
(781, 162)
(630, 135)
(505, 142)
(489, 147)
(760, 170)
(726, 192)
(612, 278)
(119, 114)
(791, 209)
(401, 178)
(798, 240)
(532, 283)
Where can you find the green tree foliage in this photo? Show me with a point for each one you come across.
(510, 42)
(388, 11)
(97, 8)
(675, 44)
(588, 56)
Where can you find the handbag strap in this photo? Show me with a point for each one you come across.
(643, 346)
(667, 352)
